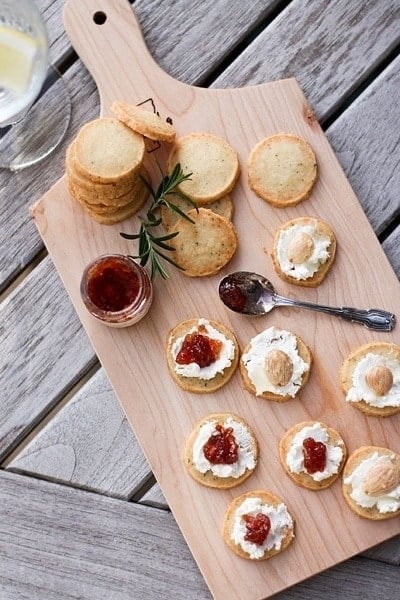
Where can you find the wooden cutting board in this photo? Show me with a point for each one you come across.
(161, 414)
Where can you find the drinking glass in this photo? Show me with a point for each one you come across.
(33, 120)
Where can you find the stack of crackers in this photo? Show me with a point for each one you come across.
(104, 163)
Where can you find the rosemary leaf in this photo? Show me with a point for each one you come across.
(178, 211)
(149, 243)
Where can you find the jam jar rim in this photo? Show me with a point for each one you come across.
(128, 311)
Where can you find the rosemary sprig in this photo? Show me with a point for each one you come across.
(150, 245)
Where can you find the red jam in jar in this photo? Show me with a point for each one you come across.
(116, 290)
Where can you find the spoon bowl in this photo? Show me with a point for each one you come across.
(252, 294)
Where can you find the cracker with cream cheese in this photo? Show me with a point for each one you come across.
(370, 379)
(216, 475)
(194, 378)
(303, 251)
(371, 483)
(292, 455)
(275, 365)
(234, 530)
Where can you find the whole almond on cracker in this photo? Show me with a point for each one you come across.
(382, 478)
(371, 483)
(370, 378)
(279, 367)
(303, 251)
(300, 248)
(275, 364)
(380, 380)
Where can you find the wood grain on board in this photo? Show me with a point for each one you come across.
(161, 413)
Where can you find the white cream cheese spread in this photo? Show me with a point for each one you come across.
(388, 502)
(254, 361)
(360, 389)
(280, 520)
(244, 441)
(317, 258)
(295, 459)
(223, 361)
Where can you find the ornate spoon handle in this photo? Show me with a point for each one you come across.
(374, 318)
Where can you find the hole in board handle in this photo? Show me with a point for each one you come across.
(99, 17)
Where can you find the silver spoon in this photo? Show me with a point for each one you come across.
(251, 294)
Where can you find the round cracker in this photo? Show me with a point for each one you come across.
(108, 192)
(117, 215)
(213, 163)
(304, 353)
(357, 457)
(347, 370)
(147, 123)
(229, 519)
(223, 207)
(282, 169)
(304, 479)
(194, 384)
(322, 228)
(106, 151)
(205, 245)
(208, 478)
(107, 209)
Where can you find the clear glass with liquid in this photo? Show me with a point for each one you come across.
(23, 58)
(29, 130)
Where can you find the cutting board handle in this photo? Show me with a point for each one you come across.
(107, 37)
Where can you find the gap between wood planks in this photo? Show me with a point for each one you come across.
(65, 62)
(19, 278)
(50, 415)
(242, 45)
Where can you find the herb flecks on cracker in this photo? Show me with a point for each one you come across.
(150, 245)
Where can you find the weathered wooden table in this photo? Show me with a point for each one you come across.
(81, 513)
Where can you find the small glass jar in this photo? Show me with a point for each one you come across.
(116, 290)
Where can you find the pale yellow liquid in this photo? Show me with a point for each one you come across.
(22, 72)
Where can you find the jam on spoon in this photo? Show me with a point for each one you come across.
(252, 294)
